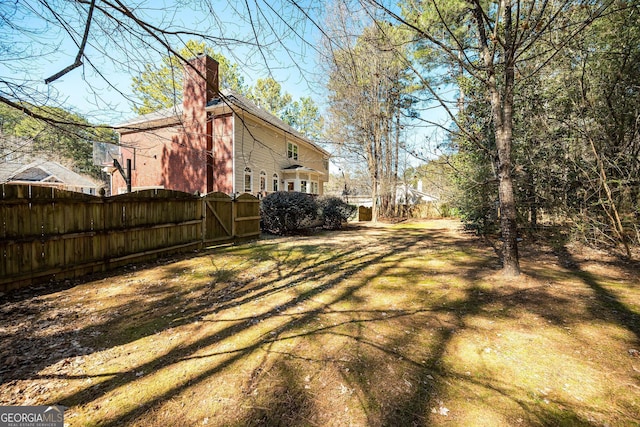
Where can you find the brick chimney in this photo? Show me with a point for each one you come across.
(191, 164)
(200, 85)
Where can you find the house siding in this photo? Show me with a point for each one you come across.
(262, 147)
(254, 149)
(308, 157)
(223, 154)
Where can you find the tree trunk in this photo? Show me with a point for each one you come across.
(394, 190)
(375, 208)
(508, 223)
(532, 199)
(374, 170)
(504, 137)
(502, 115)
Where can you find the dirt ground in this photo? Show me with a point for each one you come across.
(378, 324)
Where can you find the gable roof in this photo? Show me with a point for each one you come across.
(228, 97)
(234, 99)
(43, 171)
(143, 121)
(406, 194)
(300, 168)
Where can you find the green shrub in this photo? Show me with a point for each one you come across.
(287, 212)
(334, 212)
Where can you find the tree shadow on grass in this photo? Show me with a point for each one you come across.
(435, 379)
(350, 262)
(159, 307)
(331, 283)
(424, 404)
(606, 306)
(288, 404)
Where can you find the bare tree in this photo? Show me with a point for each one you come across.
(489, 42)
(368, 88)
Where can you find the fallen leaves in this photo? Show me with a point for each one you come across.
(440, 409)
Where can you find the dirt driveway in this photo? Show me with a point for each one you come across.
(406, 324)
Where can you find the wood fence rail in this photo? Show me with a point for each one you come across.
(47, 233)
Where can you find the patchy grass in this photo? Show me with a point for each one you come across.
(406, 324)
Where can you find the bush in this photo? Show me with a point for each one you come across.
(334, 212)
(286, 212)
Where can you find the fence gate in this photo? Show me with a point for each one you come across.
(228, 219)
(246, 213)
(218, 217)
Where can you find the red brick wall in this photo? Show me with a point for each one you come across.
(167, 157)
(176, 157)
(149, 155)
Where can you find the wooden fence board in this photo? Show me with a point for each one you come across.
(4, 213)
(3, 257)
(248, 216)
(47, 233)
(364, 213)
(219, 210)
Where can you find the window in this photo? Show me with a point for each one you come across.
(314, 187)
(276, 181)
(248, 184)
(303, 186)
(263, 181)
(292, 151)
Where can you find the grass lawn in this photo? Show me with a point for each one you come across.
(388, 325)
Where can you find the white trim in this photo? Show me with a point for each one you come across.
(262, 174)
(247, 172)
(295, 150)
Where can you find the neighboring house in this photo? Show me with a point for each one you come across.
(407, 195)
(217, 140)
(46, 173)
(410, 202)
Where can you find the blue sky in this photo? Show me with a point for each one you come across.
(49, 49)
(101, 92)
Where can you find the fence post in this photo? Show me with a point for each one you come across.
(234, 215)
(203, 216)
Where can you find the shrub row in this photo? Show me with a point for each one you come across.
(289, 212)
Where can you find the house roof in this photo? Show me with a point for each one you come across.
(232, 98)
(171, 114)
(43, 171)
(227, 97)
(300, 168)
(408, 194)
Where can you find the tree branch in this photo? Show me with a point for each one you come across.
(78, 61)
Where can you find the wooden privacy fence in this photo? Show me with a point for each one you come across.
(227, 218)
(48, 233)
(364, 213)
